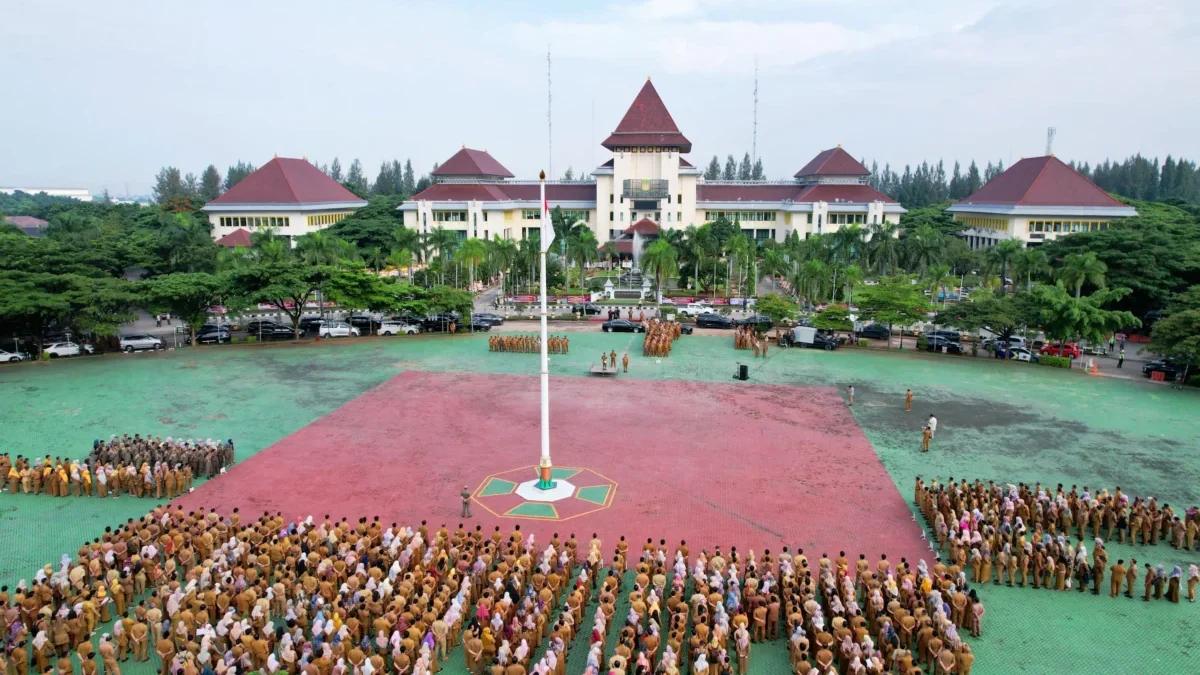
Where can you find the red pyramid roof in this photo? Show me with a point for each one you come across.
(239, 237)
(468, 162)
(834, 162)
(287, 181)
(647, 122)
(1041, 181)
(643, 226)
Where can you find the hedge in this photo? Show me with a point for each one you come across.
(1054, 361)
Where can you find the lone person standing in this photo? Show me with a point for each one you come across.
(466, 503)
(932, 424)
(908, 401)
(926, 434)
(625, 361)
(1121, 358)
(850, 393)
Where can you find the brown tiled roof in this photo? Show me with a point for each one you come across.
(608, 164)
(684, 163)
(239, 237)
(643, 226)
(26, 221)
(773, 192)
(1041, 181)
(287, 181)
(501, 192)
(843, 193)
(468, 162)
(647, 122)
(834, 162)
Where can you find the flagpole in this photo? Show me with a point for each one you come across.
(545, 467)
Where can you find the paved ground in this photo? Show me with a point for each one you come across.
(997, 420)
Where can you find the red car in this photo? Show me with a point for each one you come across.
(1070, 350)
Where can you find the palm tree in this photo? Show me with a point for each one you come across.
(503, 254)
(374, 258)
(402, 258)
(1081, 268)
(738, 248)
(661, 261)
(611, 252)
(582, 246)
(443, 241)
(937, 276)
(405, 238)
(926, 247)
(472, 252)
(236, 258)
(884, 247)
(1031, 262)
(269, 247)
(852, 276)
(810, 279)
(1001, 254)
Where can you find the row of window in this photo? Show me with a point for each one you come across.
(1067, 225)
(644, 148)
(740, 216)
(758, 235)
(981, 223)
(634, 217)
(449, 216)
(846, 218)
(678, 198)
(326, 219)
(250, 222)
(575, 216)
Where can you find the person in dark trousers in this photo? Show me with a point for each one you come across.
(1121, 358)
(466, 503)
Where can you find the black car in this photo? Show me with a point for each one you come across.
(760, 323)
(269, 330)
(310, 323)
(622, 326)
(586, 308)
(488, 318)
(441, 322)
(365, 323)
(712, 320)
(938, 343)
(409, 319)
(1170, 369)
(213, 335)
(685, 329)
(951, 335)
(874, 332)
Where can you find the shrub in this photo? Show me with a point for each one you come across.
(922, 342)
(251, 339)
(1054, 361)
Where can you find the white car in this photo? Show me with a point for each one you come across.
(337, 329)
(694, 309)
(397, 328)
(12, 357)
(68, 349)
(1022, 354)
(132, 343)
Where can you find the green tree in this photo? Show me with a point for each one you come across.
(289, 286)
(893, 301)
(776, 307)
(472, 253)
(1081, 268)
(1178, 337)
(168, 184)
(582, 247)
(1001, 254)
(660, 260)
(1064, 317)
(237, 172)
(883, 249)
(210, 184)
(1031, 262)
(834, 318)
(188, 295)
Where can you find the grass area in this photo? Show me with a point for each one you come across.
(997, 420)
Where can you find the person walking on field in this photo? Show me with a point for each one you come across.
(926, 434)
(908, 401)
(1121, 358)
(850, 393)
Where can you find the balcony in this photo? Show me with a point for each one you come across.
(645, 188)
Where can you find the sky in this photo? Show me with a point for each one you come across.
(103, 94)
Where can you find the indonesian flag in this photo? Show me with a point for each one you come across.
(547, 226)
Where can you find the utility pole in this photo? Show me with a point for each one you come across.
(549, 124)
(754, 142)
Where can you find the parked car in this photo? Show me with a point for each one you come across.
(269, 330)
(408, 318)
(712, 320)
(807, 336)
(68, 349)
(214, 335)
(685, 329)
(622, 326)
(364, 322)
(695, 309)
(938, 343)
(12, 357)
(874, 332)
(1069, 349)
(488, 318)
(1021, 354)
(586, 308)
(951, 335)
(132, 343)
(441, 322)
(337, 329)
(398, 328)
(760, 323)
(475, 326)
(1170, 368)
(311, 323)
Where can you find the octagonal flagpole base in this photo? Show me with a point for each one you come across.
(544, 482)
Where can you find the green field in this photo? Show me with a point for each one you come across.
(1003, 421)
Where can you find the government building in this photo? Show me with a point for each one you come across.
(1036, 200)
(289, 196)
(648, 184)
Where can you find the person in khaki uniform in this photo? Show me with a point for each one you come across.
(1118, 577)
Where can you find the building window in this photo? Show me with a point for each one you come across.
(574, 216)
(668, 216)
(679, 198)
(610, 216)
(679, 216)
(449, 216)
(531, 214)
(622, 216)
(485, 218)
(810, 219)
(740, 216)
(610, 199)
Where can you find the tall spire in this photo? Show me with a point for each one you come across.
(647, 123)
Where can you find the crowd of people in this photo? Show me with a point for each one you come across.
(660, 335)
(529, 344)
(132, 465)
(212, 594)
(1035, 536)
(745, 337)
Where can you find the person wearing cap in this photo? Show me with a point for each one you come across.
(466, 503)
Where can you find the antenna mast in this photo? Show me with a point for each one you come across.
(549, 124)
(1050, 132)
(754, 142)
